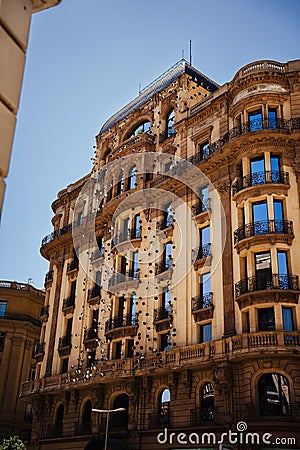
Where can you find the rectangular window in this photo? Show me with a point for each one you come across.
(204, 196)
(167, 255)
(278, 216)
(135, 265)
(263, 271)
(95, 319)
(204, 150)
(245, 322)
(118, 350)
(91, 358)
(69, 328)
(73, 289)
(205, 289)
(32, 373)
(206, 333)
(257, 171)
(3, 306)
(121, 306)
(266, 319)
(204, 242)
(287, 318)
(132, 311)
(166, 299)
(129, 348)
(136, 227)
(165, 344)
(168, 216)
(272, 118)
(123, 265)
(275, 168)
(255, 120)
(2, 341)
(64, 365)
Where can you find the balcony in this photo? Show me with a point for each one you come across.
(261, 178)
(201, 207)
(82, 429)
(202, 307)
(21, 317)
(162, 318)
(72, 266)
(239, 346)
(64, 345)
(199, 255)
(44, 313)
(49, 277)
(262, 231)
(164, 269)
(39, 351)
(272, 288)
(202, 416)
(119, 281)
(68, 305)
(125, 237)
(166, 134)
(273, 125)
(56, 234)
(117, 327)
(94, 295)
(91, 337)
(159, 420)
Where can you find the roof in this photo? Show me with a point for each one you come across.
(159, 84)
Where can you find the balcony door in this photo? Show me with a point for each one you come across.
(205, 289)
(283, 272)
(132, 312)
(255, 120)
(278, 216)
(275, 169)
(260, 217)
(263, 270)
(257, 171)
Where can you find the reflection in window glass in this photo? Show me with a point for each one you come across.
(274, 395)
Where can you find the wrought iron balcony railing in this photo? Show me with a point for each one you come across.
(201, 207)
(272, 281)
(258, 178)
(263, 227)
(82, 429)
(161, 314)
(120, 322)
(94, 292)
(21, 317)
(202, 252)
(73, 265)
(248, 127)
(68, 302)
(49, 276)
(56, 234)
(64, 341)
(90, 333)
(163, 266)
(202, 415)
(39, 349)
(166, 134)
(134, 233)
(44, 312)
(118, 278)
(202, 301)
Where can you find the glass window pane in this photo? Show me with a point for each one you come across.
(266, 319)
(260, 211)
(282, 262)
(206, 333)
(205, 235)
(287, 318)
(205, 284)
(272, 116)
(3, 305)
(255, 120)
(257, 165)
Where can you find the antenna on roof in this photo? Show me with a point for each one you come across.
(190, 51)
(140, 88)
(182, 54)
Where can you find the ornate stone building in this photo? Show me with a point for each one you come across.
(21, 306)
(173, 286)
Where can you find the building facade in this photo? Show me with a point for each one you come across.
(173, 285)
(20, 308)
(15, 17)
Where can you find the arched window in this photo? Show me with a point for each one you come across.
(120, 418)
(143, 127)
(132, 177)
(170, 123)
(87, 417)
(207, 400)
(164, 407)
(274, 395)
(59, 420)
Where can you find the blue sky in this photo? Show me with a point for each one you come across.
(85, 60)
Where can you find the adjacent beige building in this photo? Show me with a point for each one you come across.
(21, 306)
(173, 285)
(15, 17)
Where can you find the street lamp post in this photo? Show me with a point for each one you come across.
(107, 411)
